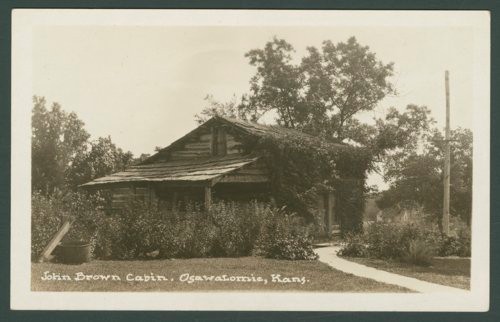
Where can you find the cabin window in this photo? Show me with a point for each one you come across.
(219, 145)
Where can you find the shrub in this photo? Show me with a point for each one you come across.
(456, 245)
(228, 229)
(134, 232)
(353, 246)
(49, 211)
(111, 240)
(415, 242)
(419, 253)
(282, 237)
(44, 222)
(237, 227)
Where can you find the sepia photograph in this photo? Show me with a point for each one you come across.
(257, 160)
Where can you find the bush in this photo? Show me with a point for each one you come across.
(282, 236)
(44, 222)
(419, 253)
(354, 246)
(136, 231)
(111, 240)
(415, 242)
(228, 229)
(456, 245)
(386, 240)
(49, 211)
(236, 227)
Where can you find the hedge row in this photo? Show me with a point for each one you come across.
(138, 231)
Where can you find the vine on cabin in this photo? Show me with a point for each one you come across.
(303, 167)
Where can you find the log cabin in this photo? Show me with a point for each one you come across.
(215, 161)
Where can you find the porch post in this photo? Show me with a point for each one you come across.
(208, 196)
(153, 199)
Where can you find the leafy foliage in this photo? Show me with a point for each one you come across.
(342, 80)
(49, 212)
(354, 246)
(419, 253)
(277, 83)
(457, 244)
(416, 242)
(57, 137)
(62, 155)
(283, 237)
(416, 176)
(230, 109)
(304, 167)
(320, 95)
(226, 230)
(101, 159)
(44, 224)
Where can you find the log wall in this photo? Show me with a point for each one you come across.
(123, 193)
(253, 173)
(201, 146)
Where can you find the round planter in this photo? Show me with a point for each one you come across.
(73, 252)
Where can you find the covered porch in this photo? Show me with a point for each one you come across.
(173, 183)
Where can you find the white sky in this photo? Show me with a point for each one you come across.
(143, 85)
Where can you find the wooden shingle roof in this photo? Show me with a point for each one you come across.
(254, 130)
(156, 169)
(279, 133)
(202, 169)
(260, 130)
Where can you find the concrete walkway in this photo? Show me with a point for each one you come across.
(329, 256)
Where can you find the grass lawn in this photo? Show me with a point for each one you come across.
(453, 272)
(294, 276)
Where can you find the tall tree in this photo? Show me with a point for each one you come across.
(417, 176)
(57, 137)
(321, 94)
(101, 159)
(342, 80)
(62, 155)
(276, 85)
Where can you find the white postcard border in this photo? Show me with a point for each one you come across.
(26, 20)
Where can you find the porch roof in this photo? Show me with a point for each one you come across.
(193, 170)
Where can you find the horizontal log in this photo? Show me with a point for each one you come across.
(123, 194)
(177, 171)
(195, 162)
(244, 178)
(187, 156)
(121, 199)
(233, 143)
(122, 190)
(205, 137)
(197, 145)
(200, 147)
(191, 152)
(234, 151)
(251, 171)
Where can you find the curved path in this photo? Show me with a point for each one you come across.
(329, 256)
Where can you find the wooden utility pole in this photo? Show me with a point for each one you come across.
(446, 179)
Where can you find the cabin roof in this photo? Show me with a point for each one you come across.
(252, 129)
(279, 132)
(154, 169)
(192, 170)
